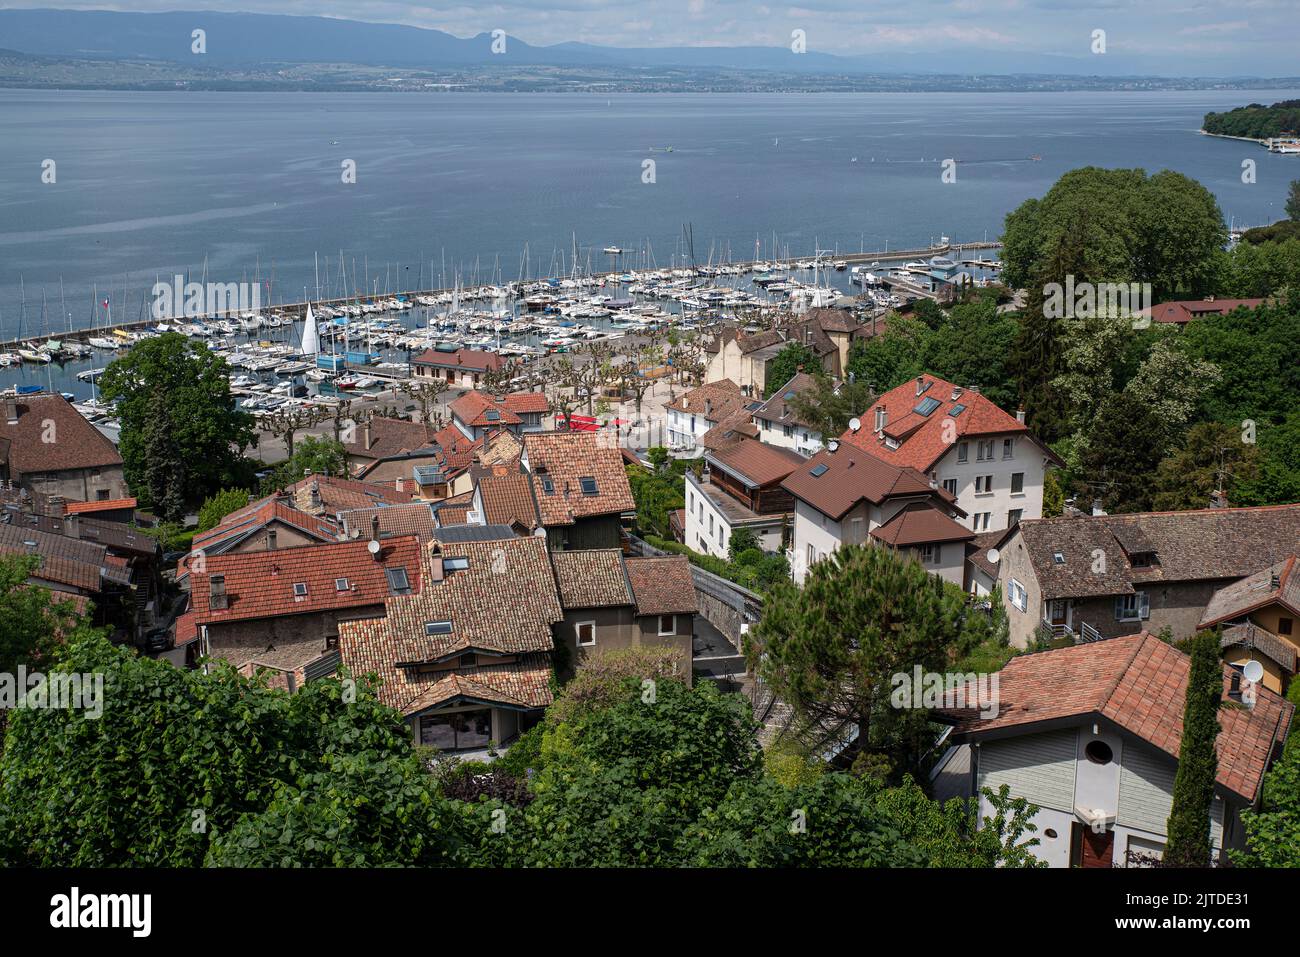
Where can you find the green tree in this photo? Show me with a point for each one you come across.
(828, 408)
(315, 455)
(217, 506)
(970, 348)
(1293, 200)
(830, 648)
(795, 357)
(1120, 456)
(893, 357)
(1278, 478)
(1273, 831)
(1189, 819)
(175, 760)
(181, 433)
(1213, 458)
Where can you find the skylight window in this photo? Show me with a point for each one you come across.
(299, 589)
(398, 582)
(341, 584)
(820, 469)
(492, 415)
(957, 410)
(547, 485)
(1058, 557)
(588, 483)
(457, 564)
(432, 628)
(927, 405)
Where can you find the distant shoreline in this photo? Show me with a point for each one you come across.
(1227, 136)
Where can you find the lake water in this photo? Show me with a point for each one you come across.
(152, 184)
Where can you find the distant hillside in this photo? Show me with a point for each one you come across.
(1256, 120)
(248, 40)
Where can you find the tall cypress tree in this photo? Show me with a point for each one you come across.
(1189, 820)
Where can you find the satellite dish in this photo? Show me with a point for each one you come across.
(372, 547)
(832, 445)
(994, 556)
(539, 533)
(855, 424)
(1253, 671)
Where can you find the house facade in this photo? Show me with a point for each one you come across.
(459, 368)
(48, 447)
(693, 414)
(1078, 733)
(985, 458)
(846, 496)
(1103, 576)
(780, 425)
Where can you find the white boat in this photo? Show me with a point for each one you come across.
(30, 354)
(100, 342)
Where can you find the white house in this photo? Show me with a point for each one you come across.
(846, 496)
(694, 413)
(1077, 732)
(985, 458)
(780, 425)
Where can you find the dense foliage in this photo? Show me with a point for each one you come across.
(182, 434)
(830, 647)
(795, 357)
(220, 504)
(1255, 121)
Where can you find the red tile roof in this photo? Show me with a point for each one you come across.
(1185, 310)
(271, 510)
(388, 437)
(1139, 683)
(415, 519)
(261, 584)
(713, 401)
(853, 475)
(663, 586)
(77, 444)
(508, 500)
(592, 578)
(339, 494)
(472, 408)
(918, 524)
(471, 360)
(99, 505)
(924, 439)
(561, 460)
(503, 604)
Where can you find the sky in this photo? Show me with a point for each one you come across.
(1259, 37)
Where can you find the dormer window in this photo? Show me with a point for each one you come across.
(1142, 559)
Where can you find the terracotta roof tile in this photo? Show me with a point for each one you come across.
(592, 578)
(756, 463)
(100, 505)
(262, 584)
(334, 494)
(559, 461)
(918, 524)
(1139, 683)
(924, 439)
(663, 586)
(470, 360)
(271, 510)
(1254, 592)
(77, 445)
(415, 519)
(508, 500)
(850, 475)
(713, 401)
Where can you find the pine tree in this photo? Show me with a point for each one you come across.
(1189, 820)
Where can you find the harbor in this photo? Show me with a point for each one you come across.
(363, 345)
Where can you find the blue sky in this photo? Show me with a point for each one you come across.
(1258, 37)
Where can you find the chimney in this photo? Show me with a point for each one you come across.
(1274, 580)
(365, 435)
(315, 495)
(1020, 416)
(920, 384)
(11, 410)
(374, 528)
(1096, 507)
(1218, 499)
(217, 592)
(270, 539)
(436, 571)
(399, 484)
(956, 393)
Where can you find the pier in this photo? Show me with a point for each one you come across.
(297, 311)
